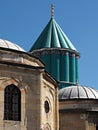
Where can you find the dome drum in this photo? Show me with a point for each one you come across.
(65, 62)
(79, 105)
(64, 65)
(72, 68)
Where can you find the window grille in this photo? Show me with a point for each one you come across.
(12, 103)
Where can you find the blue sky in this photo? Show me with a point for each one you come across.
(22, 21)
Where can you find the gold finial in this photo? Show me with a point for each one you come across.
(52, 11)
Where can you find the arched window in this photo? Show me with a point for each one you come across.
(12, 103)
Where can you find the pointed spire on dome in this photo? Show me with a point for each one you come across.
(55, 49)
(52, 11)
(52, 36)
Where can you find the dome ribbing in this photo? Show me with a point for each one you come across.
(58, 53)
(78, 92)
(52, 37)
(10, 45)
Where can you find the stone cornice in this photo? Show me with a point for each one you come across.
(61, 51)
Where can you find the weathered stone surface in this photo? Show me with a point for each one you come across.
(36, 86)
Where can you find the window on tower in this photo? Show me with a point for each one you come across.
(46, 106)
(12, 103)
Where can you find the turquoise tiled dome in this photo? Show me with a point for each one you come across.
(52, 37)
(58, 53)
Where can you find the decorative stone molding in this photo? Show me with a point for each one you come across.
(50, 51)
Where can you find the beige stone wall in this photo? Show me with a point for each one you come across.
(19, 57)
(14, 75)
(34, 91)
(72, 121)
(78, 114)
(49, 93)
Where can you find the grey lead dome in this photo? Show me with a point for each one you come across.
(78, 92)
(10, 45)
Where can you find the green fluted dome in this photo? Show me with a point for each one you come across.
(52, 37)
(58, 53)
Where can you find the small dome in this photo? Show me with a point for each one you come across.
(10, 45)
(78, 92)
